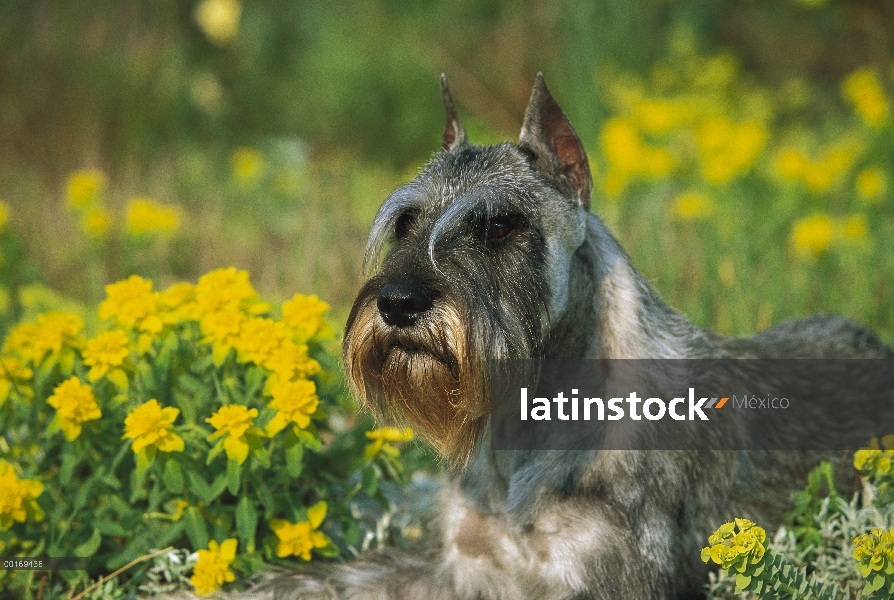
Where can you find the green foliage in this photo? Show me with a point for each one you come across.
(820, 491)
(833, 548)
(199, 417)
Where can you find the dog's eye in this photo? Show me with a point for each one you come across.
(402, 225)
(501, 226)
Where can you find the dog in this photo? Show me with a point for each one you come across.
(491, 252)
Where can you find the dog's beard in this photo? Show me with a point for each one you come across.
(425, 376)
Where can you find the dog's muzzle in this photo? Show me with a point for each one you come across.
(401, 304)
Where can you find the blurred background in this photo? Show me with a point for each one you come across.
(742, 150)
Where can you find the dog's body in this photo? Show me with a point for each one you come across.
(495, 254)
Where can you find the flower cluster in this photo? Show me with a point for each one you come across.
(150, 425)
(146, 216)
(736, 550)
(864, 90)
(84, 195)
(298, 539)
(878, 458)
(213, 568)
(52, 333)
(682, 130)
(874, 553)
(18, 498)
(817, 174)
(233, 424)
(75, 404)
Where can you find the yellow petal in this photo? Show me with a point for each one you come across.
(316, 514)
(236, 448)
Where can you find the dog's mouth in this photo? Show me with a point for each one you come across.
(405, 352)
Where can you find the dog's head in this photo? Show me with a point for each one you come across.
(470, 262)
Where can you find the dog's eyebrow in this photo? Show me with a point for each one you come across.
(405, 197)
(483, 200)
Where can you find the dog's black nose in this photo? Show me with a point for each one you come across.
(400, 304)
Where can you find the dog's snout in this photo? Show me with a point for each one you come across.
(401, 304)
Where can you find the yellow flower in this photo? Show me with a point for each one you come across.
(234, 421)
(213, 568)
(105, 351)
(178, 304)
(290, 361)
(146, 216)
(228, 289)
(219, 19)
(150, 425)
(692, 206)
(75, 404)
(257, 339)
(658, 116)
(791, 163)
(131, 304)
(626, 152)
(4, 214)
(84, 186)
(96, 221)
(729, 548)
(300, 538)
(304, 315)
(248, 164)
(812, 235)
(382, 439)
(819, 174)
(49, 334)
(871, 183)
(221, 329)
(864, 91)
(295, 402)
(18, 498)
(728, 148)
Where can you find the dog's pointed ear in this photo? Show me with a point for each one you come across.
(454, 133)
(557, 151)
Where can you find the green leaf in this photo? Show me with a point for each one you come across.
(173, 476)
(234, 471)
(199, 487)
(146, 379)
(66, 469)
(309, 439)
(219, 485)
(264, 495)
(171, 533)
(107, 527)
(254, 379)
(261, 455)
(215, 451)
(246, 523)
(161, 364)
(144, 460)
(294, 460)
(742, 582)
(329, 550)
(369, 481)
(196, 529)
(89, 548)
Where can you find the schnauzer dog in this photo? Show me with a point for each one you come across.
(492, 253)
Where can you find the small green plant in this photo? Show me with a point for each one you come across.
(198, 417)
(741, 549)
(874, 552)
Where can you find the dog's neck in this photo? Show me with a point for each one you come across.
(613, 312)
